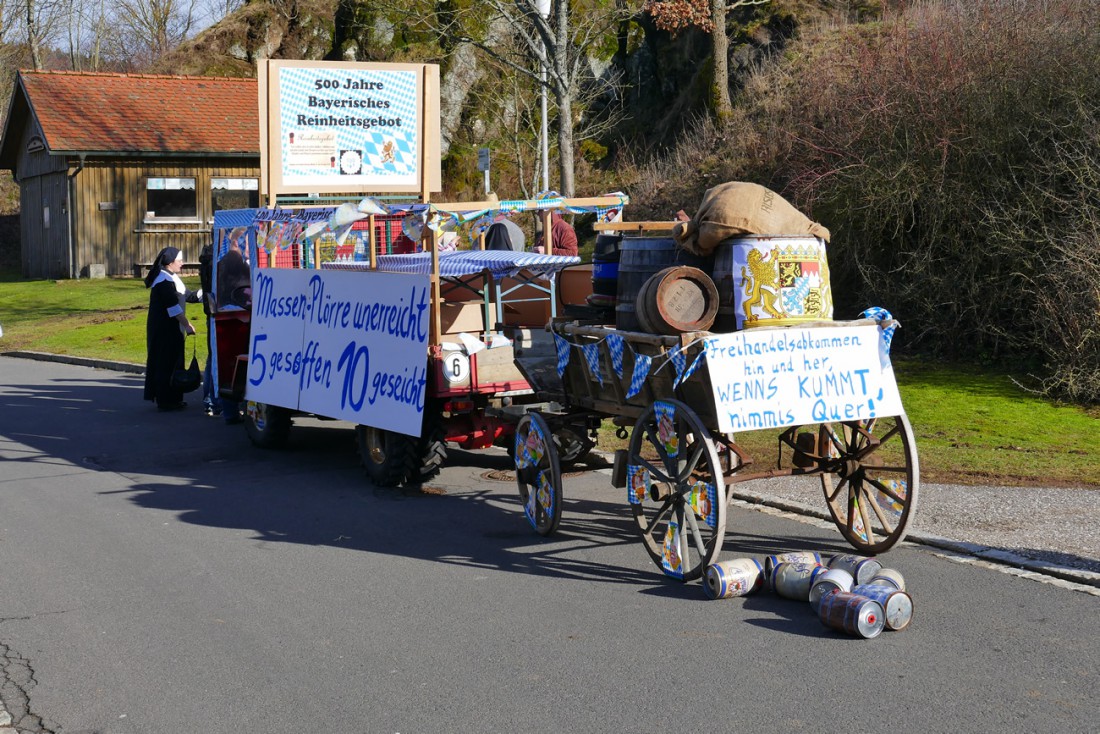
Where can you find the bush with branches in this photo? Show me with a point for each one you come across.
(954, 152)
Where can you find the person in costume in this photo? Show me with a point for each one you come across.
(166, 327)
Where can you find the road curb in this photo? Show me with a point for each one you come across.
(984, 552)
(99, 364)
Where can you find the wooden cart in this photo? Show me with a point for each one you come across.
(680, 468)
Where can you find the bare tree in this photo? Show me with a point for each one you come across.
(87, 29)
(558, 42)
(40, 20)
(145, 30)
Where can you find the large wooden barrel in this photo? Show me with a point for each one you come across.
(639, 259)
(767, 280)
(676, 300)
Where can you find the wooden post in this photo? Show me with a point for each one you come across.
(372, 242)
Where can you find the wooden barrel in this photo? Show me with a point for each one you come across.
(639, 259)
(676, 300)
(768, 280)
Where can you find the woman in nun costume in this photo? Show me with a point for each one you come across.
(166, 327)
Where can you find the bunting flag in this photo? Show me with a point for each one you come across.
(671, 559)
(562, 346)
(592, 356)
(641, 372)
(666, 428)
(546, 492)
(691, 370)
(679, 360)
(615, 348)
(638, 483)
(529, 508)
(704, 502)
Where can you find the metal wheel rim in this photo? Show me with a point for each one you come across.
(376, 449)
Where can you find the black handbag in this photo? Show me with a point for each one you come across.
(187, 380)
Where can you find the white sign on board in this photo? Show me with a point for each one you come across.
(774, 378)
(347, 345)
(345, 126)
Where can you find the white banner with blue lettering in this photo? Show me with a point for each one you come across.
(351, 346)
(773, 378)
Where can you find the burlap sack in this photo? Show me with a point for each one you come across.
(739, 208)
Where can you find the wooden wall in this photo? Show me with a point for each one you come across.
(109, 224)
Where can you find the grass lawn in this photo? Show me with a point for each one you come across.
(972, 425)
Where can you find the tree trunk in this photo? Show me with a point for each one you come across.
(32, 37)
(565, 142)
(720, 89)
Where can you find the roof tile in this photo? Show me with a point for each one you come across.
(147, 113)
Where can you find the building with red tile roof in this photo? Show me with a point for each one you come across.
(113, 167)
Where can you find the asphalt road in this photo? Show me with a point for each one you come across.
(160, 575)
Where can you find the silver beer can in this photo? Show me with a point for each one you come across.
(857, 615)
(792, 580)
(897, 605)
(834, 579)
(803, 558)
(736, 577)
(889, 577)
(862, 568)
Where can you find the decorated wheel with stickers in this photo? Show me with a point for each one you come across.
(676, 490)
(538, 473)
(871, 479)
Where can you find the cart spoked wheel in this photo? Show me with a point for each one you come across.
(676, 490)
(871, 479)
(538, 473)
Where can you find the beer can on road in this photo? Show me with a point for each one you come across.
(792, 580)
(834, 579)
(897, 605)
(889, 577)
(802, 558)
(737, 577)
(857, 615)
(862, 568)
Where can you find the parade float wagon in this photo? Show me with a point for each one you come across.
(685, 385)
(415, 348)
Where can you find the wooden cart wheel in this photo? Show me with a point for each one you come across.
(538, 473)
(871, 479)
(676, 490)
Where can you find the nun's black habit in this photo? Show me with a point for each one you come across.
(164, 335)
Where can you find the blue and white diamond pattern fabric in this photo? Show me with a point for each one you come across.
(550, 200)
(615, 344)
(638, 483)
(694, 366)
(672, 558)
(592, 356)
(641, 372)
(794, 298)
(679, 361)
(704, 502)
(383, 150)
(881, 314)
(562, 347)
